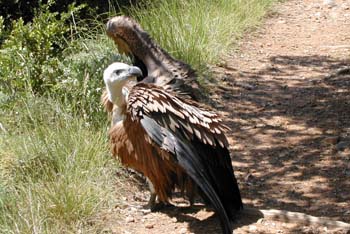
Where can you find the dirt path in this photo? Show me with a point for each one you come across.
(289, 112)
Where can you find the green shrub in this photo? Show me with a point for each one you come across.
(59, 56)
(31, 53)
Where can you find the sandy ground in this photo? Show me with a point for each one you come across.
(287, 101)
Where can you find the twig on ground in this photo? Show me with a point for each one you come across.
(297, 217)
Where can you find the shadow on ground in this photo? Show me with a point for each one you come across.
(290, 124)
(208, 221)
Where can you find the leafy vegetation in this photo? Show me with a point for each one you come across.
(53, 55)
(56, 173)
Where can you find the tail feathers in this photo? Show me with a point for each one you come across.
(221, 176)
(201, 179)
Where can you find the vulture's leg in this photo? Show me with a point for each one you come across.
(191, 190)
(153, 204)
(191, 195)
(152, 200)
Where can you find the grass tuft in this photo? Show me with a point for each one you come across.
(55, 171)
(198, 32)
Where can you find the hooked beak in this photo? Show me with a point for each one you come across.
(134, 71)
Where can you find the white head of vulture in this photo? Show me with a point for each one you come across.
(115, 77)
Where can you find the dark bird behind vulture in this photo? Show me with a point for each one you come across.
(156, 64)
(170, 140)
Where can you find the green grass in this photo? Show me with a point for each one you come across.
(56, 173)
(199, 32)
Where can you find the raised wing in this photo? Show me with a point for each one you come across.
(184, 118)
(156, 64)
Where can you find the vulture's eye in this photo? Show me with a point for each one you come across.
(118, 72)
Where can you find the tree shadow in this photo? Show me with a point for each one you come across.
(288, 120)
(207, 222)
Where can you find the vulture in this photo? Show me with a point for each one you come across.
(157, 65)
(171, 140)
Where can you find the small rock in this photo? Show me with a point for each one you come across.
(345, 6)
(130, 219)
(260, 125)
(174, 220)
(146, 211)
(318, 15)
(317, 6)
(329, 3)
(225, 78)
(252, 228)
(183, 230)
(249, 177)
(260, 221)
(330, 132)
(149, 225)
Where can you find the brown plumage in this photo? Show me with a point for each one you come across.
(156, 64)
(134, 147)
(173, 142)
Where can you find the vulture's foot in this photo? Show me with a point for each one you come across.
(160, 206)
(152, 201)
(154, 205)
(191, 196)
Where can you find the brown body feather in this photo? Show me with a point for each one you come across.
(135, 150)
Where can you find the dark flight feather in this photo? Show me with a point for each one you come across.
(201, 156)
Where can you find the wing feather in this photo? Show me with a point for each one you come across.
(195, 141)
(206, 125)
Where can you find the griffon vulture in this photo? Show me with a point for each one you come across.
(170, 140)
(157, 67)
